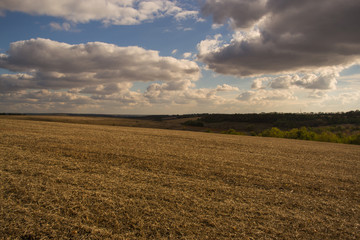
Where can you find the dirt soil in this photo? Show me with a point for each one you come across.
(80, 181)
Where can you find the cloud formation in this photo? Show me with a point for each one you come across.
(266, 95)
(60, 27)
(243, 13)
(184, 93)
(54, 75)
(54, 65)
(110, 12)
(187, 55)
(307, 81)
(279, 36)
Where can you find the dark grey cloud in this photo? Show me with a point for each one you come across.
(286, 36)
(14, 82)
(244, 13)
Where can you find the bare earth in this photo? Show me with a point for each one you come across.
(78, 181)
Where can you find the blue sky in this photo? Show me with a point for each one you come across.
(177, 57)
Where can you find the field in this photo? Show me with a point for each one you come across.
(175, 124)
(86, 181)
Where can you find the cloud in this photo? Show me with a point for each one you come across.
(184, 93)
(53, 75)
(174, 51)
(187, 55)
(186, 14)
(266, 95)
(316, 94)
(216, 26)
(348, 98)
(210, 45)
(167, 92)
(187, 29)
(60, 27)
(277, 36)
(244, 13)
(106, 89)
(42, 101)
(226, 88)
(324, 81)
(258, 83)
(54, 65)
(16, 82)
(183, 28)
(110, 12)
(344, 101)
(312, 81)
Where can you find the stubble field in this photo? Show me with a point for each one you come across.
(78, 181)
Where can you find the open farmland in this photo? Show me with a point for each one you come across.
(78, 181)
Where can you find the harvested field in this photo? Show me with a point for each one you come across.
(78, 181)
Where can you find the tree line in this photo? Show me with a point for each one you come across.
(287, 120)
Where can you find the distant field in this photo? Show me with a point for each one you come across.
(83, 181)
(107, 121)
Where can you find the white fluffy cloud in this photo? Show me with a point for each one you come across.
(115, 96)
(116, 12)
(325, 81)
(188, 55)
(278, 36)
(54, 65)
(316, 94)
(105, 89)
(60, 27)
(54, 75)
(226, 88)
(347, 100)
(184, 93)
(266, 95)
(186, 14)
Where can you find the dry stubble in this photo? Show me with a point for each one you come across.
(73, 181)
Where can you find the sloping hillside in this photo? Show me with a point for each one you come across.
(72, 181)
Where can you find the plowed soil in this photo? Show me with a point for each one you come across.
(78, 181)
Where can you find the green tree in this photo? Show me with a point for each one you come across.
(273, 132)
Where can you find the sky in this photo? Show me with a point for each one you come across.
(179, 57)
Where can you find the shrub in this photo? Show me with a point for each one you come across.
(304, 133)
(327, 136)
(293, 133)
(232, 131)
(273, 132)
(355, 139)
